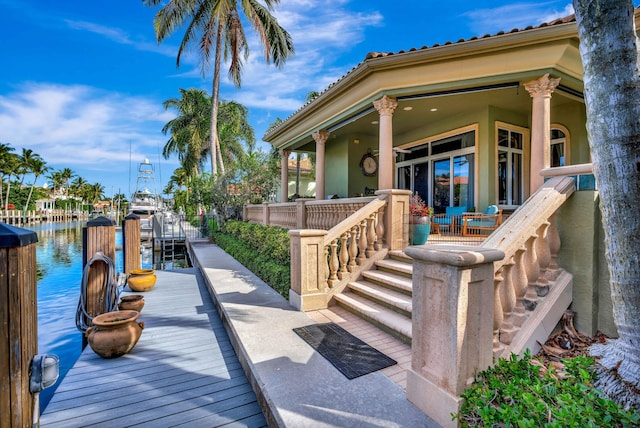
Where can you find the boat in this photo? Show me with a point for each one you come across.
(145, 201)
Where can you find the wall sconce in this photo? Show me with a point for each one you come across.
(356, 141)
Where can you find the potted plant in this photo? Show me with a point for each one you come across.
(420, 220)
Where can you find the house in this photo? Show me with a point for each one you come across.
(502, 114)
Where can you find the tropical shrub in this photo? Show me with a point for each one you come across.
(522, 393)
(264, 250)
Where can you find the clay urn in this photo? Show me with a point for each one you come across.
(131, 302)
(141, 280)
(114, 333)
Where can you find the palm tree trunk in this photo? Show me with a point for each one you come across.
(215, 91)
(6, 200)
(609, 50)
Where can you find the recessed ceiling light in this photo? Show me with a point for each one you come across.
(374, 122)
(434, 109)
(407, 108)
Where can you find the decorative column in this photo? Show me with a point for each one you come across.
(452, 325)
(284, 175)
(320, 137)
(540, 90)
(385, 107)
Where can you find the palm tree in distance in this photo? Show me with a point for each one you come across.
(189, 131)
(216, 24)
(38, 167)
(5, 154)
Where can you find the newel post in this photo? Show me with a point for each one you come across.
(452, 325)
(265, 213)
(395, 233)
(308, 269)
(301, 214)
(18, 324)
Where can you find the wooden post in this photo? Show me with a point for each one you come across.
(131, 243)
(98, 236)
(18, 324)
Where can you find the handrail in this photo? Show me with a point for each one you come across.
(356, 218)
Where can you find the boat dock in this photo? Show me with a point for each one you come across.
(182, 371)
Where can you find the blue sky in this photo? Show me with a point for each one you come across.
(82, 82)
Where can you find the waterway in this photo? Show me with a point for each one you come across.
(59, 262)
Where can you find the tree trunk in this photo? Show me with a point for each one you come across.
(215, 94)
(298, 174)
(608, 46)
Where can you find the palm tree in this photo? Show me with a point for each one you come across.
(66, 174)
(189, 131)
(56, 181)
(95, 192)
(234, 129)
(5, 152)
(26, 159)
(38, 167)
(10, 166)
(216, 24)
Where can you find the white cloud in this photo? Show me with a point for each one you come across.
(516, 15)
(79, 126)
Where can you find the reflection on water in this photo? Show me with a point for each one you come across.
(59, 259)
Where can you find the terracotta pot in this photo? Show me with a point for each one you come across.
(115, 333)
(141, 280)
(132, 302)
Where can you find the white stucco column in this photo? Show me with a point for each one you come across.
(385, 107)
(540, 90)
(284, 175)
(320, 137)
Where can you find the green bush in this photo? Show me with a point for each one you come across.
(264, 250)
(517, 393)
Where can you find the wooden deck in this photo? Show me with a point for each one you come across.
(183, 371)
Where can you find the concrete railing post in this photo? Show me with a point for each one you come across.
(131, 243)
(301, 214)
(308, 269)
(265, 213)
(396, 234)
(18, 325)
(452, 325)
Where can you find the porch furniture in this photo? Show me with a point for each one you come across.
(480, 224)
(451, 218)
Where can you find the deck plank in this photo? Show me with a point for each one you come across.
(182, 371)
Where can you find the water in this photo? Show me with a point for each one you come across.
(59, 259)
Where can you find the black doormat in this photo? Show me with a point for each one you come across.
(347, 353)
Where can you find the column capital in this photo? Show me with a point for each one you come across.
(284, 153)
(542, 87)
(320, 137)
(385, 105)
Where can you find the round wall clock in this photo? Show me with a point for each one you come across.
(369, 164)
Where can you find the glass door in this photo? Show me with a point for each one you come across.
(441, 185)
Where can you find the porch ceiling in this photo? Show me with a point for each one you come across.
(423, 111)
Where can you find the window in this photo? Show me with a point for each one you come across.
(427, 169)
(510, 167)
(558, 148)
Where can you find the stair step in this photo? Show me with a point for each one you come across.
(383, 295)
(395, 266)
(400, 256)
(389, 279)
(385, 318)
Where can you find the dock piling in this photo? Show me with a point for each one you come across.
(131, 243)
(99, 235)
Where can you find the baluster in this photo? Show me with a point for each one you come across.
(362, 241)
(498, 315)
(380, 229)
(508, 300)
(344, 255)
(353, 248)
(544, 258)
(553, 270)
(371, 235)
(519, 278)
(324, 265)
(333, 263)
(530, 299)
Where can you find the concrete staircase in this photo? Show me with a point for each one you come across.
(383, 295)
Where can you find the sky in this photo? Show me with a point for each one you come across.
(82, 83)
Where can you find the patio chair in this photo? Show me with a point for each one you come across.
(480, 224)
(451, 218)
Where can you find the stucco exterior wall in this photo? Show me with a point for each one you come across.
(573, 116)
(336, 168)
(582, 254)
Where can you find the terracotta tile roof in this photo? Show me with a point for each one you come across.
(373, 55)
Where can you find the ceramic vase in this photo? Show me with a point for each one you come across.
(132, 302)
(141, 280)
(419, 232)
(114, 333)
